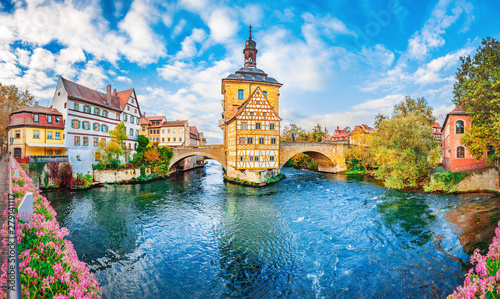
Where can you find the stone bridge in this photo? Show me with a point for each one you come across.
(330, 157)
(215, 152)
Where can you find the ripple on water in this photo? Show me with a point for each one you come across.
(310, 235)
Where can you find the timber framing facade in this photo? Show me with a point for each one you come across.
(253, 135)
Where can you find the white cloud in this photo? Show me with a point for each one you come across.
(178, 28)
(92, 76)
(431, 72)
(188, 49)
(42, 60)
(223, 25)
(383, 103)
(145, 45)
(124, 79)
(430, 37)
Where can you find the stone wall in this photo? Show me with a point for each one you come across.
(257, 176)
(118, 175)
(486, 179)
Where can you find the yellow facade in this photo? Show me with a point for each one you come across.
(252, 140)
(230, 90)
(36, 141)
(144, 130)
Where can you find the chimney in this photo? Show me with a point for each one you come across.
(108, 94)
(114, 91)
(36, 103)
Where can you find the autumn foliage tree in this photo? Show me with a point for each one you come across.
(359, 150)
(11, 99)
(477, 92)
(403, 148)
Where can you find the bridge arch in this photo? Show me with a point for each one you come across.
(178, 158)
(215, 152)
(330, 157)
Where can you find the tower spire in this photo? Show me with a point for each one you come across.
(250, 50)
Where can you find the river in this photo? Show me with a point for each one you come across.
(312, 235)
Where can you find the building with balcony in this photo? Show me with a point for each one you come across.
(36, 131)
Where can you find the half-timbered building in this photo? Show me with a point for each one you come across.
(253, 134)
(250, 120)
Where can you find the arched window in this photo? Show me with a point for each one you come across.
(460, 152)
(250, 56)
(459, 125)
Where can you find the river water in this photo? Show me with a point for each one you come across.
(312, 235)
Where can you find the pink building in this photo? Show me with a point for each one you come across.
(455, 154)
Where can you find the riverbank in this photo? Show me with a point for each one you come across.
(48, 263)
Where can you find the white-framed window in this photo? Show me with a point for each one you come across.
(49, 134)
(261, 140)
(243, 126)
(36, 134)
(273, 140)
(271, 127)
(35, 118)
(49, 119)
(174, 131)
(58, 135)
(257, 126)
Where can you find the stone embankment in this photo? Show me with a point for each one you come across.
(480, 180)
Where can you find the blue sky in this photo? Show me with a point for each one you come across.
(340, 62)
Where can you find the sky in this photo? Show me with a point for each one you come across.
(340, 62)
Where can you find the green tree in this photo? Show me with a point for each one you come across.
(142, 141)
(404, 149)
(11, 99)
(118, 134)
(317, 133)
(477, 92)
(298, 132)
(411, 106)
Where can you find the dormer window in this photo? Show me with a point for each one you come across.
(35, 118)
(49, 119)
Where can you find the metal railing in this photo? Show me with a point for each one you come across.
(13, 278)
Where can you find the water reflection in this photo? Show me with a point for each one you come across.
(409, 212)
(475, 218)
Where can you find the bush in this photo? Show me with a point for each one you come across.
(445, 181)
(115, 164)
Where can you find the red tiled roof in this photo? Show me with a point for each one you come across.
(24, 117)
(38, 109)
(364, 126)
(80, 92)
(194, 131)
(124, 96)
(175, 123)
(148, 120)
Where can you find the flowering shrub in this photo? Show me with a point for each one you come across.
(483, 280)
(49, 266)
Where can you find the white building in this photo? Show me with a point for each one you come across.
(89, 115)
